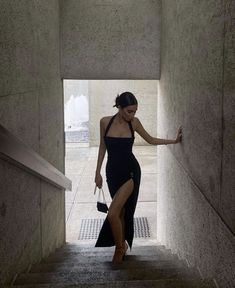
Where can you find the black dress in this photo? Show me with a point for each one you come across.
(121, 166)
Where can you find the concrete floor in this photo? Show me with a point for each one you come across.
(81, 201)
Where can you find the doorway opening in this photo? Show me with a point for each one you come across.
(86, 102)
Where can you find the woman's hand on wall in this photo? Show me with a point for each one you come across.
(179, 135)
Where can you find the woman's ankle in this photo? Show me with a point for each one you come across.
(118, 255)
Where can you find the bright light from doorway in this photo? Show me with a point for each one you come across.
(76, 111)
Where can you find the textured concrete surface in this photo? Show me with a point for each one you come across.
(102, 95)
(12, 107)
(31, 107)
(19, 220)
(110, 39)
(18, 51)
(51, 124)
(191, 88)
(228, 179)
(196, 91)
(81, 202)
(52, 218)
(189, 226)
(30, 76)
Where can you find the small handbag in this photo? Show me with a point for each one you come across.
(101, 202)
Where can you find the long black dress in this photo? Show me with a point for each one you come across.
(121, 167)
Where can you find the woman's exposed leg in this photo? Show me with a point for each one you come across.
(114, 216)
(123, 224)
(124, 244)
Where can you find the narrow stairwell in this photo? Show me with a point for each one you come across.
(84, 266)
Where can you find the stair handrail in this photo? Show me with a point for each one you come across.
(13, 150)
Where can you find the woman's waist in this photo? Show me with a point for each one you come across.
(127, 160)
(122, 167)
(122, 156)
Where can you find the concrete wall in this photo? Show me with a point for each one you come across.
(102, 95)
(110, 39)
(196, 188)
(31, 107)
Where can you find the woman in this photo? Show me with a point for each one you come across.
(122, 171)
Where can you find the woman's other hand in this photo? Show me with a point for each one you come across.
(179, 135)
(98, 180)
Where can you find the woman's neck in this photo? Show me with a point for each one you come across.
(120, 119)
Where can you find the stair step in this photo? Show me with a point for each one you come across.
(78, 259)
(101, 254)
(109, 250)
(107, 276)
(162, 283)
(108, 253)
(70, 248)
(58, 267)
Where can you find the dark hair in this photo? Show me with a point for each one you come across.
(125, 99)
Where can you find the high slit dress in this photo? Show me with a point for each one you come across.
(121, 166)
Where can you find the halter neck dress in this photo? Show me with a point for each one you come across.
(121, 166)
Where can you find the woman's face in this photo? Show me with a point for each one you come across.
(128, 113)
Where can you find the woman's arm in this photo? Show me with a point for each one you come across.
(101, 154)
(153, 140)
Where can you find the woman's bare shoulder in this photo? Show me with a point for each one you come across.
(135, 122)
(105, 120)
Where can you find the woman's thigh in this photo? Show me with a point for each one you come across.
(121, 196)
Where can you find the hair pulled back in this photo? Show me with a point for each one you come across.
(125, 99)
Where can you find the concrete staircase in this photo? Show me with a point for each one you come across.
(82, 266)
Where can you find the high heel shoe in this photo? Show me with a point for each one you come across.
(125, 247)
(118, 255)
